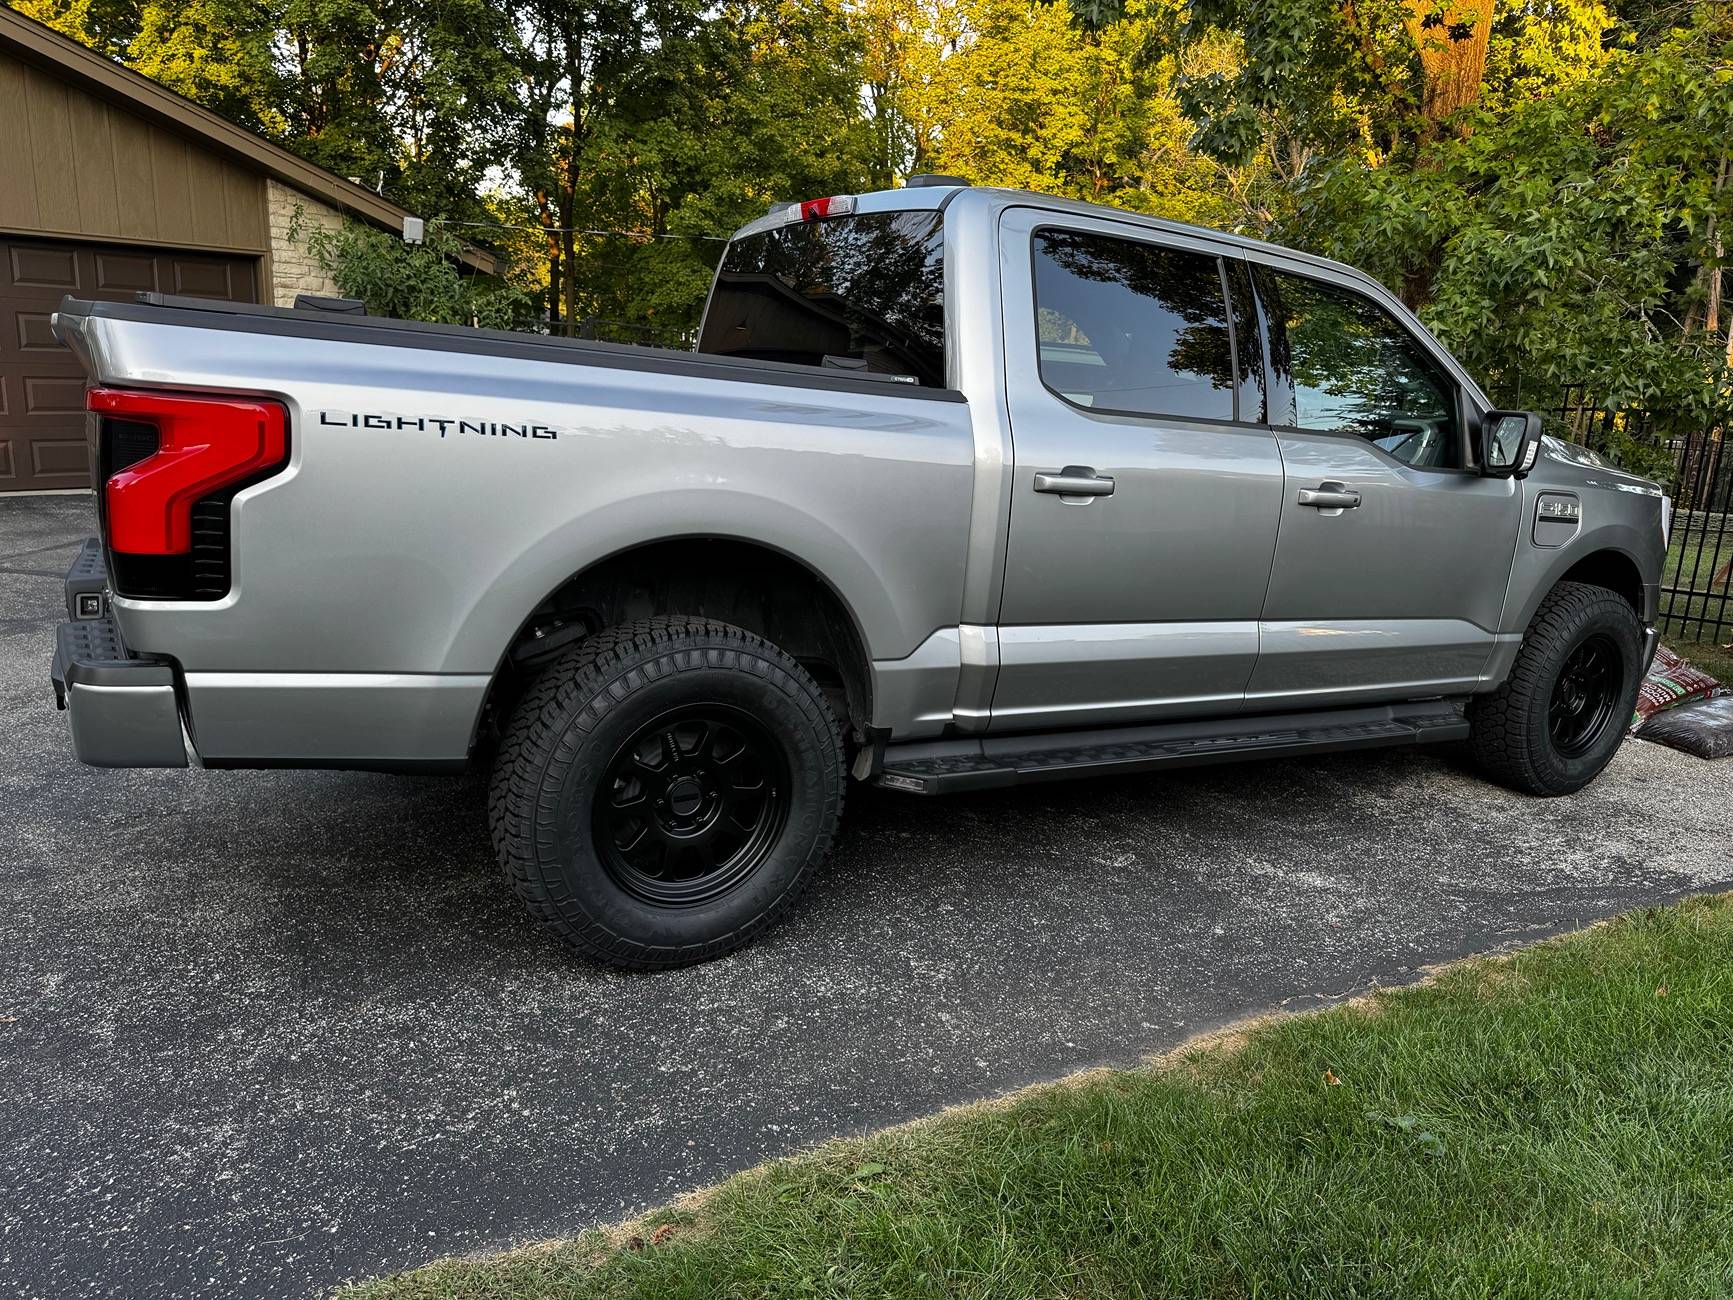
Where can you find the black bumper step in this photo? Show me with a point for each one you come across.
(986, 763)
(91, 653)
(89, 650)
(87, 582)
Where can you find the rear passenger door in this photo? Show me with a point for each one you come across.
(1394, 553)
(1146, 490)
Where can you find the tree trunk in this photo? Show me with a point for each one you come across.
(1714, 271)
(1451, 41)
(554, 278)
(568, 254)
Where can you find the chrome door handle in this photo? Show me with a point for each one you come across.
(1330, 495)
(1075, 481)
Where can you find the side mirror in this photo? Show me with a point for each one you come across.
(1509, 443)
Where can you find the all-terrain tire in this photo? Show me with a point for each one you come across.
(584, 720)
(1511, 729)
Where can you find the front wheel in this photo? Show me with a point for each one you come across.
(1555, 723)
(665, 790)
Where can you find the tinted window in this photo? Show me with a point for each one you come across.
(1129, 326)
(854, 293)
(1344, 365)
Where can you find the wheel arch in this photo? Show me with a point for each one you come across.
(1614, 570)
(733, 578)
(1609, 558)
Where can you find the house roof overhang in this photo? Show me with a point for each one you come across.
(46, 48)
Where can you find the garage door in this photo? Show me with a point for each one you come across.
(41, 385)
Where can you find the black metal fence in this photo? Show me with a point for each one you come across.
(1697, 579)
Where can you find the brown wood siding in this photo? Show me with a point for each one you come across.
(74, 165)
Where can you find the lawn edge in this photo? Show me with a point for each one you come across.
(1215, 1043)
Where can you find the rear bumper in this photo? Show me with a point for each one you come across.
(123, 707)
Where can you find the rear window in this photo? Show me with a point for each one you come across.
(860, 293)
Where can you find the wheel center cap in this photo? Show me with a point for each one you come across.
(685, 797)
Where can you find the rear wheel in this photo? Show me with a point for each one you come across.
(1561, 714)
(665, 790)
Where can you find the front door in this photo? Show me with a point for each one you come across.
(1146, 491)
(1394, 554)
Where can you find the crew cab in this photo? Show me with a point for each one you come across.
(961, 488)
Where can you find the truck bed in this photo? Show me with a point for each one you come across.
(286, 322)
(442, 482)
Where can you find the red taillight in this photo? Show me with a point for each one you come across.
(203, 444)
(836, 205)
(818, 209)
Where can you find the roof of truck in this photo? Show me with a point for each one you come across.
(928, 197)
(933, 194)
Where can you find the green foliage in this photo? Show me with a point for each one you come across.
(1032, 95)
(218, 53)
(1548, 182)
(1553, 248)
(412, 281)
(406, 95)
(758, 104)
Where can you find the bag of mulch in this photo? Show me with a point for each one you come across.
(1702, 727)
(1671, 681)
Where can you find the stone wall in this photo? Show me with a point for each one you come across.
(293, 269)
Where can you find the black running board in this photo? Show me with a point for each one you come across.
(993, 762)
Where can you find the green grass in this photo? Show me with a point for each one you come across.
(1558, 1122)
(1693, 561)
(1716, 660)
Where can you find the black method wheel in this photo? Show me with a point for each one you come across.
(1557, 720)
(665, 790)
(1585, 696)
(691, 805)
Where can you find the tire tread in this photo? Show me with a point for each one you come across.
(1507, 726)
(580, 687)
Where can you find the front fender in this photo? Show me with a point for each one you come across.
(1537, 571)
(1621, 517)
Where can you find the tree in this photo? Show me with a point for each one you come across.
(407, 96)
(1028, 94)
(403, 95)
(1571, 242)
(644, 132)
(103, 25)
(579, 66)
(219, 53)
(1380, 76)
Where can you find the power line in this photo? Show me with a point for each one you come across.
(577, 230)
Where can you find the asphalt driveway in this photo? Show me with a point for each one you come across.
(261, 1032)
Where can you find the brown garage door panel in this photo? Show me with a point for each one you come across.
(36, 332)
(125, 274)
(41, 385)
(51, 395)
(41, 266)
(64, 462)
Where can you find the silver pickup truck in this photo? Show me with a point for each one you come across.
(961, 488)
